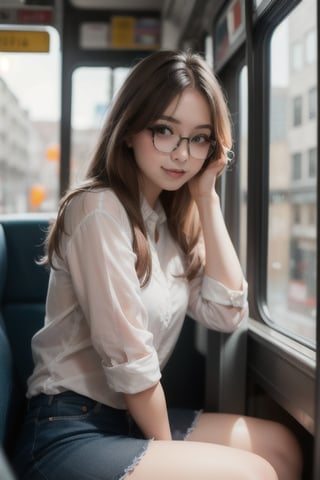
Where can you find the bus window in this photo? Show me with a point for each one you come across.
(243, 163)
(291, 281)
(29, 127)
(90, 97)
(92, 91)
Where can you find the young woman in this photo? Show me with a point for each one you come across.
(140, 243)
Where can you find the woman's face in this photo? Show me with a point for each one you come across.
(186, 116)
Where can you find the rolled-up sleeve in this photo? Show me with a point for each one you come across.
(216, 306)
(102, 266)
(138, 374)
(212, 290)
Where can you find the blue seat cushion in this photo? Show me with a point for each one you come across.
(6, 380)
(23, 289)
(26, 280)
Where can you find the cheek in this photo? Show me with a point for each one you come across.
(142, 149)
(196, 166)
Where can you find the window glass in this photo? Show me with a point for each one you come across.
(297, 110)
(312, 154)
(296, 171)
(297, 56)
(243, 163)
(311, 46)
(312, 97)
(291, 281)
(29, 128)
(92, 91)
(91, 95)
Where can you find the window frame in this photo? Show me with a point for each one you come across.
(275, 359)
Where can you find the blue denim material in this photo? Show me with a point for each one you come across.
(71, 437)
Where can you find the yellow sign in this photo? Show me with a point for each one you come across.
(123, 32)
(24, 41)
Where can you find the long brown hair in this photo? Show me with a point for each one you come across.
(150, 87)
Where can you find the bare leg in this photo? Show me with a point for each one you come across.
(270, 440)
(178, 460)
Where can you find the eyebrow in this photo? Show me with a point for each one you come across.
(168, 118)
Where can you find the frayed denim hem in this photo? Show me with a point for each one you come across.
(136, 461)
(198, 413)
(177, 435)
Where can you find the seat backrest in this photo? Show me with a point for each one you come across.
(6, 473)
(6, 367)
(23, 284)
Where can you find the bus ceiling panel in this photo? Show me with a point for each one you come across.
(174, 24)
(190, 27)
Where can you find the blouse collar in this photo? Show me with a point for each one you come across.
(152, 217)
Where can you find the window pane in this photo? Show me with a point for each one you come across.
(29, 129)
(297, 111)
(291, 282)
(297, 56)
(89, 111)
(312, 102)
(87, 114)
(311, 46)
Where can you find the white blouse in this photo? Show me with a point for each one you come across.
(104, 335)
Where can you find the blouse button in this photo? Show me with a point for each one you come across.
(84, 408)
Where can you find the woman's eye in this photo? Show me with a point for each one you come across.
(200, 139)
(162, 130)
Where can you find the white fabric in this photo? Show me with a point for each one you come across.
(104, 335)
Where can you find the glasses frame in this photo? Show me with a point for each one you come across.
(231, 158)
(213, 144)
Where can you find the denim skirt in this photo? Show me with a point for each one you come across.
(71, 437)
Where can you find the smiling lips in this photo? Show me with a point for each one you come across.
(174, 173)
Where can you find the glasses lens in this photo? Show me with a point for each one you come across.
(200, 150)
(165, 143)
(199, 147)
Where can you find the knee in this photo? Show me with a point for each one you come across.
(288, 453)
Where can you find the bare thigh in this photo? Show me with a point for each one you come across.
(268, 439)
(248, 433)
(179, 460)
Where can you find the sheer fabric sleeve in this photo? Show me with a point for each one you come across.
(102, 265)
(216, 306)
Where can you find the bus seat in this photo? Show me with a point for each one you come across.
(6, 473)
(23, 288)
(6, 372)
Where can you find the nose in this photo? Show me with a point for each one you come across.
(181, 152)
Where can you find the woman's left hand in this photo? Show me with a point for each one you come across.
(221, 260)
(203, 184)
